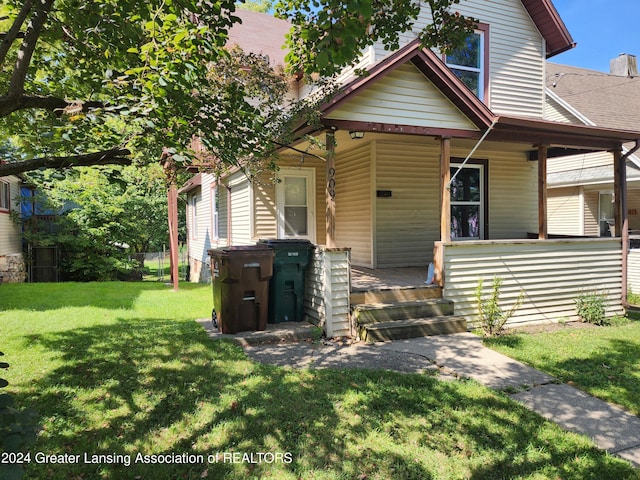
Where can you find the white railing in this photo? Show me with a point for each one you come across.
(327, 291)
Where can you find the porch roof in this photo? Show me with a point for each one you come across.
(504, 128)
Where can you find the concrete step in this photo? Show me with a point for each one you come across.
(412, 328)
(385, 312)
(392, 295)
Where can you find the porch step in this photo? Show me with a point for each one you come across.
(392, 295)
(412, 328)
(386, 312)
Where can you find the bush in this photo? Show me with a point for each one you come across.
(590, 307)
(18, 430)
(492, 317)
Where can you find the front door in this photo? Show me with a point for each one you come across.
(467, 202)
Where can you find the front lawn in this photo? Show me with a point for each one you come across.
(121, 371)
(603, 361)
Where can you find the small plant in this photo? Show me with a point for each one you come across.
(18, 429)
(492, 317)
(590, 307)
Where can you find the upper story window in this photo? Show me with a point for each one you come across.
(5, 197)
(468, 63)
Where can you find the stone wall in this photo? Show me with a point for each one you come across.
(12, 268)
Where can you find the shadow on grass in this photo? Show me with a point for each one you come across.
(610, 374)
(609, 371)
(51, 296)
(154, 386)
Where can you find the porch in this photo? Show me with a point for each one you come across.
(394, 303)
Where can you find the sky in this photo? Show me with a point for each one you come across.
(603, 29)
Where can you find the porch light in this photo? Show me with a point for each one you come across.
(356, 135)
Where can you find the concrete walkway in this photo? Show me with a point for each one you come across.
(463, 356)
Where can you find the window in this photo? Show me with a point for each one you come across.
(467, 203)
(295, 200)
(193, 203)
(5, 197)
(468, 63)
(607, 214)
(214, 213)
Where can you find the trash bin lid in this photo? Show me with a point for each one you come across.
(277, 243)
(238, 250)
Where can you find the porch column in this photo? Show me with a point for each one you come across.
(445, 193)
(330, 192)
(620, 192)
(621, 214)
(542, 192)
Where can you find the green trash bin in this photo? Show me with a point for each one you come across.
(240, 277)
(286, 287)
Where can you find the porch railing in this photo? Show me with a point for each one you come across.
(327, 291)
(551, 273)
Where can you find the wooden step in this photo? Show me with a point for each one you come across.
(412, 328)
(392, 295)
(385, 312)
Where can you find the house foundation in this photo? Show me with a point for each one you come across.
(12, 268)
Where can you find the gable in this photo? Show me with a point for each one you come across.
(403, 97)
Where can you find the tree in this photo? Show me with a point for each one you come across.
(106, 218)
(91, 83)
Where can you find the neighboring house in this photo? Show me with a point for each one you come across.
(12, 265)
(437, 159)
(581, 187)
(581, 195)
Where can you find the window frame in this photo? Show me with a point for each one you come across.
(5, 196)
(193, 216)
(481, 29)
(309, 175)
(215, 213)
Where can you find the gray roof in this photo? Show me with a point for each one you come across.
(608, 101)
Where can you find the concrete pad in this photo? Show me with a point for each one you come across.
(275, 333)
(464, 355)
(334, 356)
(610, 427)
(631, 455)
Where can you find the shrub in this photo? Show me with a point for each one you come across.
(18, 429)
(492, 317)
(590, 307)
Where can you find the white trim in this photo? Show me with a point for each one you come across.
(309, 175)
(564, 104)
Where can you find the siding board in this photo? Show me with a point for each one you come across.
(551, 274)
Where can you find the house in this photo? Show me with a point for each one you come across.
(12, 265)
(438, 159)
(581, 189)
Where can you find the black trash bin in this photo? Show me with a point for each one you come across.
(286, 287)
(240, 277)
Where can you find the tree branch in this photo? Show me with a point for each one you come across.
(115, 156)
(16, 85)
(59, 105)
(14, 31)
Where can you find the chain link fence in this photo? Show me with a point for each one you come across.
(158, 265)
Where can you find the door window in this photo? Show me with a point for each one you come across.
(467, 203)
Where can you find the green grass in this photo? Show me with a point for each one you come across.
(603, 361)
(121, 368)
